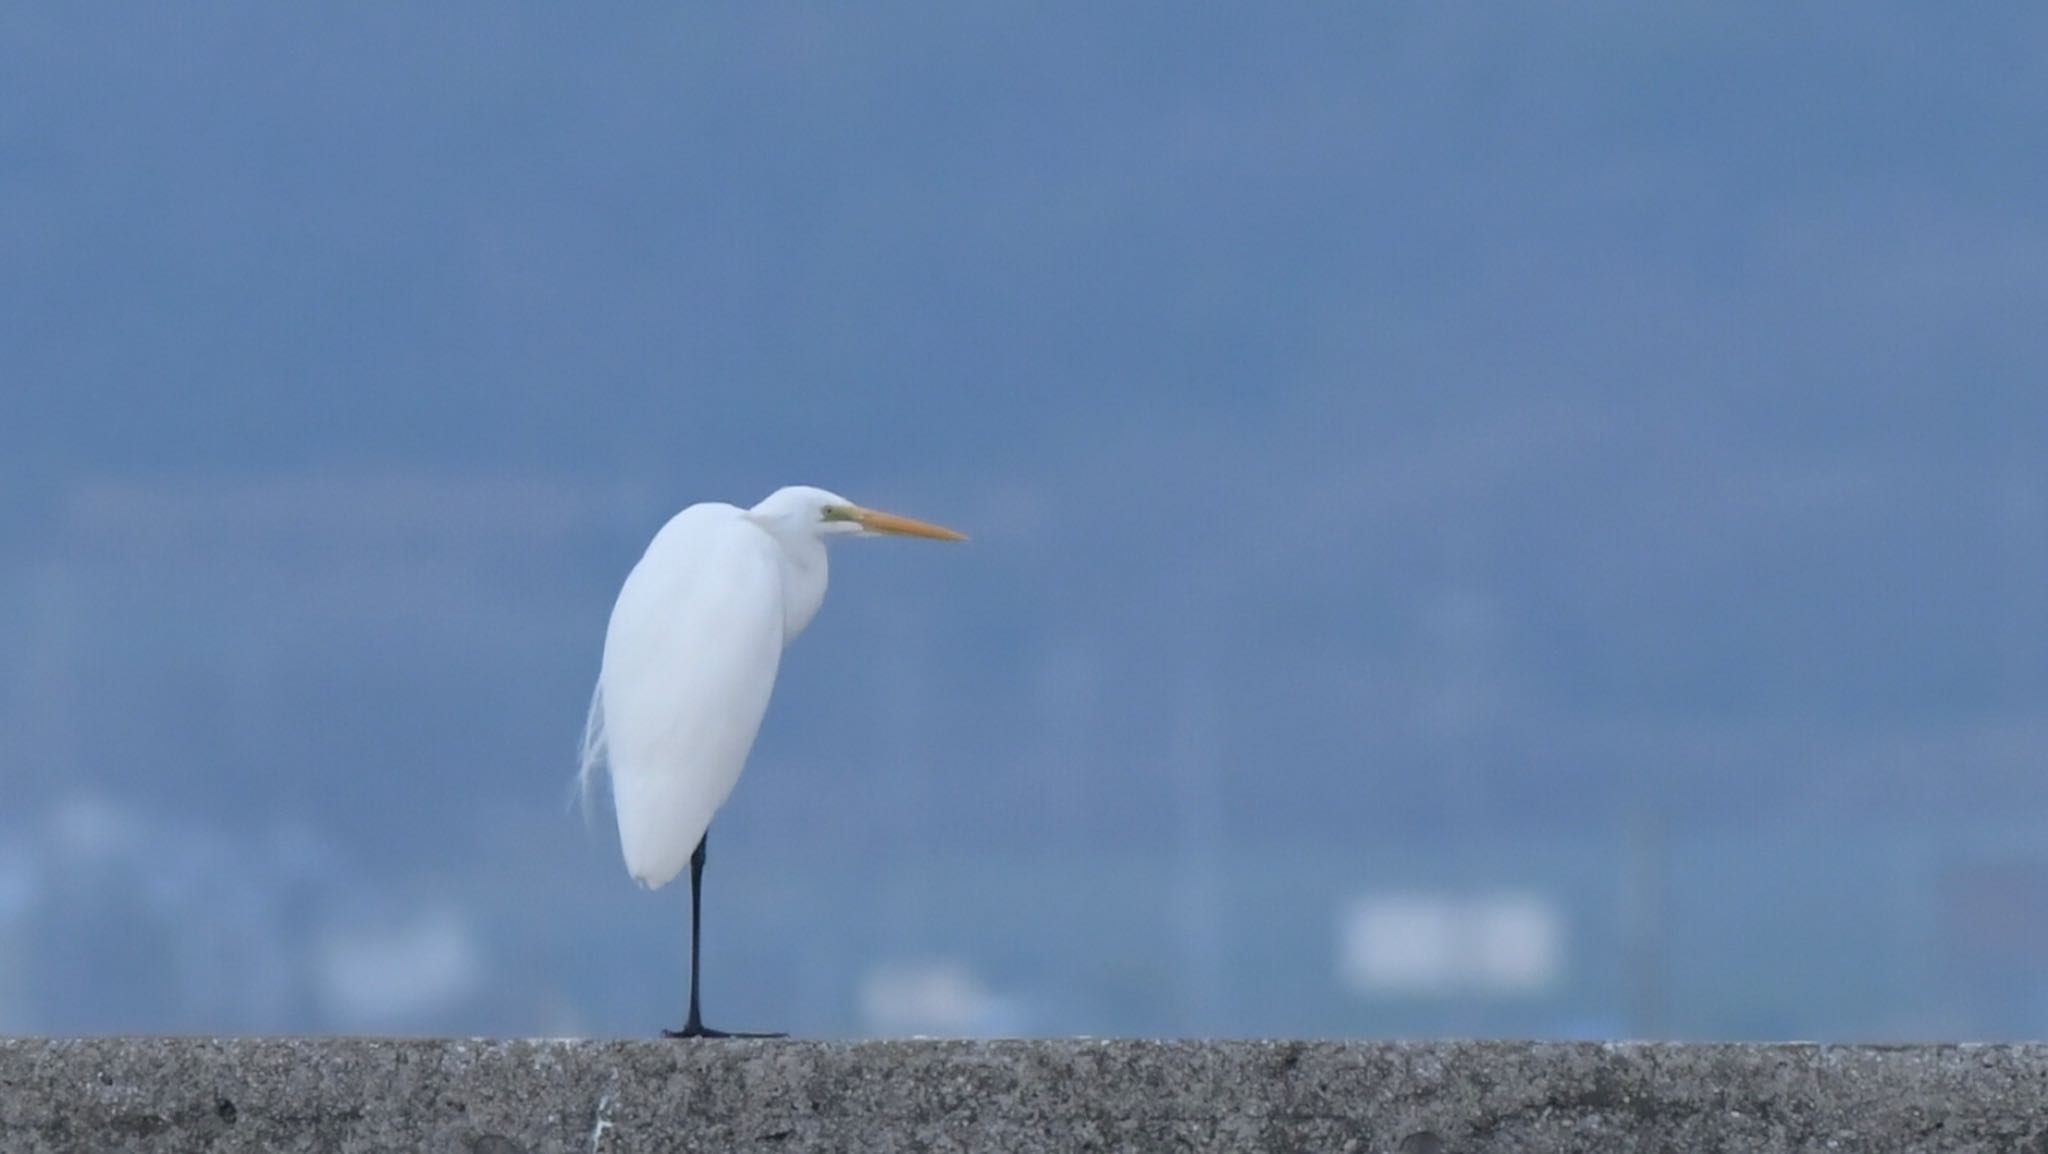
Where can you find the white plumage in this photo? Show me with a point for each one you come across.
(690, 659)
(691, 654)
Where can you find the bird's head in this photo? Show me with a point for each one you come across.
(819, 513)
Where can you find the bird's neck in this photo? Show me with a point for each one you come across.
(804, 571)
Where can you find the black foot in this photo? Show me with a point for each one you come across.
(699, 1030)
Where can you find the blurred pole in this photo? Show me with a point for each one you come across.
(1644, 899)
(51, 676)
(1461, 675)
(2022, 515)
(901, 683)
(1919, 995)
(1198, 839)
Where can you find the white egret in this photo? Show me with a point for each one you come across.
(690, 658)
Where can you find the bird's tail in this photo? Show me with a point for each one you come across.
(590, 762)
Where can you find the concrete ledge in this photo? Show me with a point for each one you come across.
(492, 1097)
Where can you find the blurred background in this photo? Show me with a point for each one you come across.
(1487, 520)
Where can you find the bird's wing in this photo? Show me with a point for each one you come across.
(689, 661)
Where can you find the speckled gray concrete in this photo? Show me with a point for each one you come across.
(494, 1097)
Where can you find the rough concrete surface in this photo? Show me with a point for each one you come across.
(529, 1097)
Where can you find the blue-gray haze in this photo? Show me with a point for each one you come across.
(1572, 453)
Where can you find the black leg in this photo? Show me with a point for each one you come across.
(695, 1027)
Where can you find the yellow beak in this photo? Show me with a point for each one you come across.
(877, 521)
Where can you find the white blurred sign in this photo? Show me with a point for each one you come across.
(936, 998)
(1424, 944)
(395, 977)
